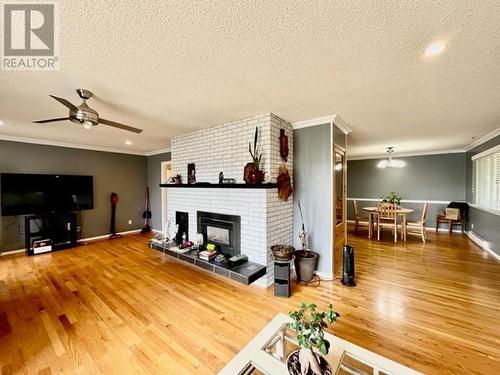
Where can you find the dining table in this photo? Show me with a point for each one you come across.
(403, 212)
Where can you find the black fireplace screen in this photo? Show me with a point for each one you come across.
(223, 230)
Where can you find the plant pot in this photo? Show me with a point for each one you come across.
(178, 181)
(256, 176)
(293, 364)
(246, 172)
(305, 266)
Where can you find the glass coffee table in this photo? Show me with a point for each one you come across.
(266, 354)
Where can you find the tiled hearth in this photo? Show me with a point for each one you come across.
(265, 220)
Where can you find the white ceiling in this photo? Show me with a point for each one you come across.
(171, 67)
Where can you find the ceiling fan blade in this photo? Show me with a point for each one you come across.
(65, 103)
(51, 120)
(119, 126)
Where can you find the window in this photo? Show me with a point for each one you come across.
(486, 178)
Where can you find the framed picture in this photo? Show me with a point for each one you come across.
(191, 173)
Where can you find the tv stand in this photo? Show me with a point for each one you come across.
(60, 228)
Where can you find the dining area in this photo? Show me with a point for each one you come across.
(388, 215)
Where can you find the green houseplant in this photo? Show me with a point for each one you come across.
(392, 197)
(253, 174)
(309, 326)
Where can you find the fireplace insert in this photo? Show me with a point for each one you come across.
(222, 230)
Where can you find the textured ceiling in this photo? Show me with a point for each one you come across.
(174, 66)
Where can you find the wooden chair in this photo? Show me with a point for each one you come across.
(387, 217)
(418, 226)
(358, 219)
(464, 210)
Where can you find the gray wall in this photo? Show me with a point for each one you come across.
(313, 187)
(113, 172)
(154, 179)
(430, 177)
(482, 223)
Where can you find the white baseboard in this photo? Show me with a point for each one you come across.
(364, 224)
(12, 252)
(104, 236)
(324, 275)
(101, 237)
(482, 244)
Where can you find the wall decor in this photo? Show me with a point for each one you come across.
(284, 182)
(283, 145)
(191, 173)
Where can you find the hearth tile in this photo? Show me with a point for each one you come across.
(221, 271)
(205, 265)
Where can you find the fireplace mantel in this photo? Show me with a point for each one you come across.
(220, 186)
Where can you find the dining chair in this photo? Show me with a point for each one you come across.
(357, 218)
(387, 217)
(463, 210)
(418, 226)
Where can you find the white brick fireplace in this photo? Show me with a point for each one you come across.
(265, 219)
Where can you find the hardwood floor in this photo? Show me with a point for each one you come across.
(118, 307)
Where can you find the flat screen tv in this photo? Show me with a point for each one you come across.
(25, 194)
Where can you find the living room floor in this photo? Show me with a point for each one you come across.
(118, 307)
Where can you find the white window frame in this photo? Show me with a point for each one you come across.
(489, 200)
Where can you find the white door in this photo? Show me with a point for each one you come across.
(166, 173)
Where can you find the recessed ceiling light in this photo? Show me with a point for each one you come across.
(435, 48)
(128, 143)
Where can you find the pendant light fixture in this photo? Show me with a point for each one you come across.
(390, 162)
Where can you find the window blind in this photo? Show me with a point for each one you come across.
(486, 181)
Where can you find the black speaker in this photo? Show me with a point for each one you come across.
(348, 267)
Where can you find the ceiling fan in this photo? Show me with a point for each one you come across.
(84, 115)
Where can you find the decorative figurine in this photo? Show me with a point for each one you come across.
(221, 178)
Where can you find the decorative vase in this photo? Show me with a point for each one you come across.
(246, 172)
(256, 176)
(305, 266)
(294, 368)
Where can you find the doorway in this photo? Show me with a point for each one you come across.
(166, 174)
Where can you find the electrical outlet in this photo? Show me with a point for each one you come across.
(130, 222)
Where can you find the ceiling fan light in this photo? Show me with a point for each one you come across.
(382, 164)
(396, 163)
(88, 125)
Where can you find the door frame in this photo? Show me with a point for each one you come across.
(336, 262)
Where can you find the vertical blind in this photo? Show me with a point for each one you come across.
(486, 182)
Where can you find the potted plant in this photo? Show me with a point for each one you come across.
(252, 172)
(392, 197)
(309, 326)
(305, 259)
(178, 179)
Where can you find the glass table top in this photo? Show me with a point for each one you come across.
(267, 353)
(284, 342)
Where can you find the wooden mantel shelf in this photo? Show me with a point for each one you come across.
(220, 186)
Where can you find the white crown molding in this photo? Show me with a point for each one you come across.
(44, 142)
(335, 119)
(69, 145)
(342, 125)
(157, 152)
(483, 139)
(313, 122)
(408, 154)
